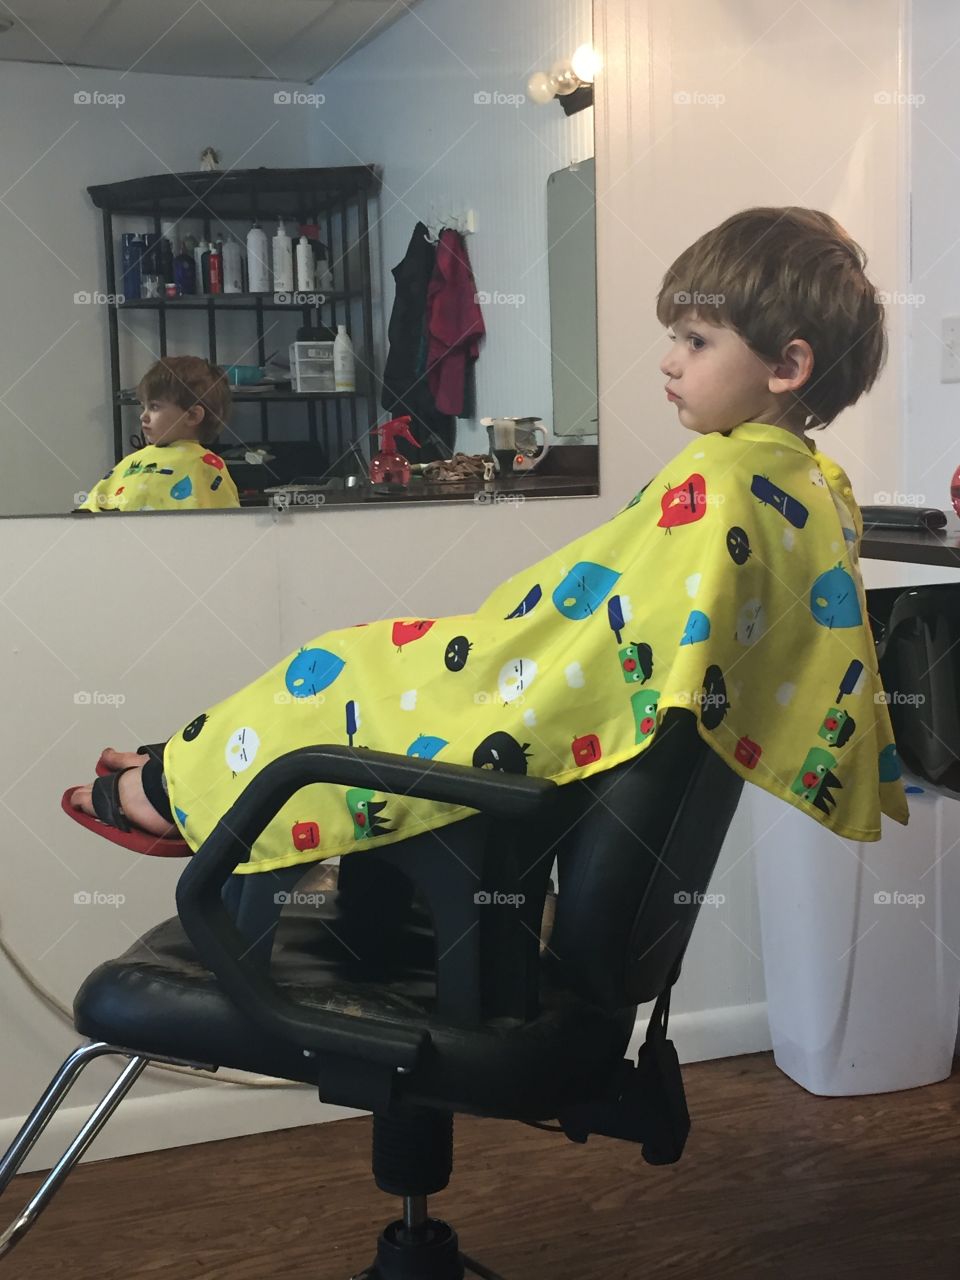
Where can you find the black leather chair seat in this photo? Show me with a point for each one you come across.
(158, 999)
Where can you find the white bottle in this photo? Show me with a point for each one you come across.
(198, 253)
(232, 267)
(282, 260)
(306, 281)
(258, 260)
(344, 364)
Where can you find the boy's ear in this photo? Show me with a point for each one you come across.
(793, 368)
(196, 414)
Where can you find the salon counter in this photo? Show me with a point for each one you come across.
(914, 546)
(509, 489)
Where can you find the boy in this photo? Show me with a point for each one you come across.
(737, 596)
(185, 401)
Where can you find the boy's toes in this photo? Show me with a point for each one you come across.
(121, 759)
(82, 799)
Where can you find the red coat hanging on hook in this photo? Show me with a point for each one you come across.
(454, 323)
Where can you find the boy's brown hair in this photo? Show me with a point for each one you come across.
(186, 381)
(777, 274)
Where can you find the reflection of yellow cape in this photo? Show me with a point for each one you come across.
(729, 586)
(181, 476)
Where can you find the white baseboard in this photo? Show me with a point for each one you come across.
(711, 1033)
(177, 1118)
(183, 1117)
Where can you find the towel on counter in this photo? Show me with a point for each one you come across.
(454, 323)
(729, 586)
(180, 476)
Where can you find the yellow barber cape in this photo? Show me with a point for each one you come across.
(180, 476)
(729, 586)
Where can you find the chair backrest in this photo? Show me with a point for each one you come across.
(919, 658)
(636, 846)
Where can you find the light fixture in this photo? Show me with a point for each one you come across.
(570, 81)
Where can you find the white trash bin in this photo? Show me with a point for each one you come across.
(861, 945)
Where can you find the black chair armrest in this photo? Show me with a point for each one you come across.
(223, 949)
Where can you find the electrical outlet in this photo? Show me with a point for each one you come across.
(950, 351)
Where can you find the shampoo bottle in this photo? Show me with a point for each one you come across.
(306, 281)
(258, 261)
(198, 258)
(185, 271)
(282, 260)
(216, 267)
(344, 364)
(232, 267)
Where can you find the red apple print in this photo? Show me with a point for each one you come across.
(586, 749)
(684, 503)
(306, 835)
(404, 632)
(748, 752)
(212, 460)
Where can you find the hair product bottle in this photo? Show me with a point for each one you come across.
(258, 260)
(282, 260)
(216, 267)
(232, 267)
(200, 253)
(185, 271)
(344, 362)
(306, 279)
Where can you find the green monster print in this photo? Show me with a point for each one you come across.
(365, 812)
(815, 779)
(644, 705)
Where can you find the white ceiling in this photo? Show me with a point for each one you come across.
(257, 39)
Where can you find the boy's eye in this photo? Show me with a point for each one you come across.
(692, 337)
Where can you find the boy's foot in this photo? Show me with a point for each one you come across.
(133, 801)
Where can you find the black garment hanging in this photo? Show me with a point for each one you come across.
(405, 386)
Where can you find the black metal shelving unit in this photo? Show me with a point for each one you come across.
(342, 197)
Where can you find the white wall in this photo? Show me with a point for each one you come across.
(934, 281)
(406, 101)
(173, 614)
(55, 416)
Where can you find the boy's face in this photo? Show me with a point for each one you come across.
(163, 421)
(719, 381)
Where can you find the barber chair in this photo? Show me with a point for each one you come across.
(418, 989)
(917, 630)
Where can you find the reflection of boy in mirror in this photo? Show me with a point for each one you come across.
(185, 401)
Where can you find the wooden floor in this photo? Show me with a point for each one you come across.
(775, 1183)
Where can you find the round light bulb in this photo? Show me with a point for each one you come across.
(562, 77)
(586, 63)
(539, 88)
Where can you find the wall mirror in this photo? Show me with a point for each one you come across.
(362, 210)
